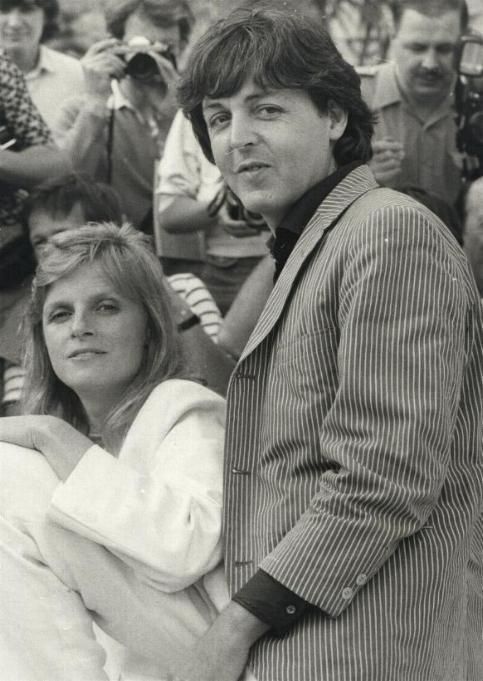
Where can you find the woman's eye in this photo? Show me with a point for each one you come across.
(58, 315)
(107, 307)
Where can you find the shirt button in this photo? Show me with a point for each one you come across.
(361, 579)
(239, 471)
(347, 593)
(290, 609)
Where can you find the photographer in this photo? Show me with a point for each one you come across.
(116, 130)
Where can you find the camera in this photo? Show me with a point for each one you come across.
(140, 62)
(469, 104)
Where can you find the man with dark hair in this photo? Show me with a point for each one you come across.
(353, 475)
(415, 137)
(116, 131)
(52, 77)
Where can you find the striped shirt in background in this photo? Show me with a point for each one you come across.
(202, 304)
(13, 380)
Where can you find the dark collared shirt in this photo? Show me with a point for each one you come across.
(263, 596)
(299, 215)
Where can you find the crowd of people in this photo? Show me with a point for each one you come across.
(241, 345)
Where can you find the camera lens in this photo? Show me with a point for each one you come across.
(142, 66)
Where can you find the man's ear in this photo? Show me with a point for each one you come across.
(337, 120)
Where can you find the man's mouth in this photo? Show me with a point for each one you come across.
(250, 167)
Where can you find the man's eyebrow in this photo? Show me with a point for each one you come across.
(216, 103)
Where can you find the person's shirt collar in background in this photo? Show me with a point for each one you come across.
(299, 215)
(45, 62)
(118, 101)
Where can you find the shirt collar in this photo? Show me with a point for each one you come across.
(118, 99)
(387, 92)
(44, 63)
(299, 215)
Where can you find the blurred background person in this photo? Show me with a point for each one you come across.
(412, 94)
(52, 77)
(115, 131)
(473, 229)
(27, 157)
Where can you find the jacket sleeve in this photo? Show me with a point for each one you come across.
(403, 306)
(81, 131)
(164, 521)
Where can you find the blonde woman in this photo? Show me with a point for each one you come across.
(110, 503)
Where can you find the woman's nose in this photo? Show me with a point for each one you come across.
(81, 325)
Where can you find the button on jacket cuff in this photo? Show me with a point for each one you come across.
(271, 602)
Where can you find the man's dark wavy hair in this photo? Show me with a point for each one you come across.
(49, 7)
(279, 50)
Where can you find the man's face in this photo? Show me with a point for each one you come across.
(140, 25)
(423, 50)
(271, 146)
(473, 231)
(21, 29)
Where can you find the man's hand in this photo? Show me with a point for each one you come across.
(101, 63)
(156, 98)
(61, 444)
(222, 653)
(386, 161)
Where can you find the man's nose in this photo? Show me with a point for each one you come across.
(14, 17)
(430, 60)
(242, 131)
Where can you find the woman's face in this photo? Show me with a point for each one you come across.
(95, 336)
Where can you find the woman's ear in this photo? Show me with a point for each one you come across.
(337, 120)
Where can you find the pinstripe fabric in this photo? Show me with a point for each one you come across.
(354, 471)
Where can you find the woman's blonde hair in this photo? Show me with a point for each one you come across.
(127, 260)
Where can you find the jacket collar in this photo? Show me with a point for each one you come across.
(354, 185)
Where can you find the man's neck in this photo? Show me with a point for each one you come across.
(425, 109)
(26, 60)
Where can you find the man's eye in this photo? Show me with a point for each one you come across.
(445, 49)
(217, 120)
(268, 110)
(417, 47)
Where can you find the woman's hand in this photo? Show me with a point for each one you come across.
(61, 444)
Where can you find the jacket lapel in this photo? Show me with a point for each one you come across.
(341, 197)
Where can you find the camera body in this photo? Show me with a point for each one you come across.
(469, 105)
(141, 63)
